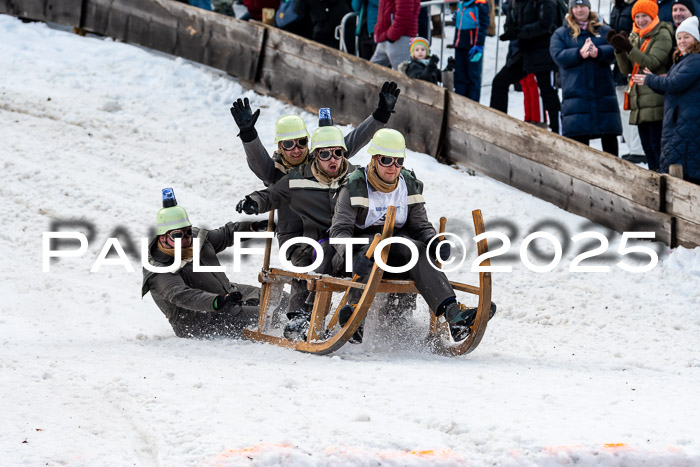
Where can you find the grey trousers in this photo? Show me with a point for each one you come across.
(392, 54)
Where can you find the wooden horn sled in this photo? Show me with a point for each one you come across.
(322, 337)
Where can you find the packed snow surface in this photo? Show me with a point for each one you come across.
(576, 367)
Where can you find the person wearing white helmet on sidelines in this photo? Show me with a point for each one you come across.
(361, 212)
(292, 140)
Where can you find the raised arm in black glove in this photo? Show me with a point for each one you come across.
(233, 298)
(387, 101)
(620, 42)
(245, 119)
(248, 206)
(451, 62)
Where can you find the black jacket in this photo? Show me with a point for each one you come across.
(532, 23)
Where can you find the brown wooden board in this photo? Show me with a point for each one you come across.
(687, 233)
(682, 199)
(563, 190)
(311, 76)
(66, 12)
(561, 154)
(178, 29)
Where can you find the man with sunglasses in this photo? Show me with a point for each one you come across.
(361, 211)
(311, 191)
(198, 304)
(292, 140)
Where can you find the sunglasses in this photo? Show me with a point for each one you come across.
(289, 144)
(386, 161)
(173, 234)
(326, 154)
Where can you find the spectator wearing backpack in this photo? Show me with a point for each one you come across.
(532, 22)
(397, 23)
(589, 104)
(471, 25)
(649, 46)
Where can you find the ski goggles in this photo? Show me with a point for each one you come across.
(326, 154)
(289, 144)
(386, 161)
(180, 233)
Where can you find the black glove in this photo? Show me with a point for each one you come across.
(387, 101)
(233, 298)
(445, 250)
(510, 34)
(260, 226)
(451, 62)
(362, 265)
(245, 119)
(434, 60)
(248, 206)
(621, 43)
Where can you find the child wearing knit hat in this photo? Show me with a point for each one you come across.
(422, 65)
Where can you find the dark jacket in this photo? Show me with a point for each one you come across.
(589, 104)
(421, 69)
(313, 200)
(184, 294)
(666, 6)
(621, 20)
(532, 22)
(395, 19)
(646, 105)
(353, 203)
(325, 15)
(270, 170)
(680, 140)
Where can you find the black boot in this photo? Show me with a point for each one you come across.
(344, 316)
(461, 318)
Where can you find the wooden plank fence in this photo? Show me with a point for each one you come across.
(573, 176)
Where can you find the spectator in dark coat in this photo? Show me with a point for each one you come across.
(589, 104)
(324, 15)
(666, 9)
(421, 65)
(397, 23)
(680, 141)
(681, 10)
(532, 23)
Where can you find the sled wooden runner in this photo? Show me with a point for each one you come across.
(322, 340)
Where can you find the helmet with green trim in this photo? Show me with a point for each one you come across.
(171, 216)
(290, 127)
(327, 137)
(387, 142)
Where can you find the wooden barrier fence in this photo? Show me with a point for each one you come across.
(573, 176)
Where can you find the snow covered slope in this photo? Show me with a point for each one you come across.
(588, 368)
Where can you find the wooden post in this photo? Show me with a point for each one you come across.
(268, 16)
(676, 170)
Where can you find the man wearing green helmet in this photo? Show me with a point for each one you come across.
(311, 191)
(292, 140)
(197, 304)
(361, 211)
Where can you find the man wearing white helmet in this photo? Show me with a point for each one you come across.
(197, 304)
(292, 138)
(361, 211)
(311, 191)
